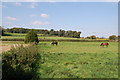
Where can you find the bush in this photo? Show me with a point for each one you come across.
(113, 37)
(31, 37)
(93, 37)
(18, 63)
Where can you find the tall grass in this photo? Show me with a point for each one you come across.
(19, 63)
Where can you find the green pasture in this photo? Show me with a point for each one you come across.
(78, 60)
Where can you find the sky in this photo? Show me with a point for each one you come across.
(59, 0)
(90, 18)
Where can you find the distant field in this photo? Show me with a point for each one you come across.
(19, 34)
(40, 36)
(78, 60)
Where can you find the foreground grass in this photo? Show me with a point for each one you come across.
(78, 60)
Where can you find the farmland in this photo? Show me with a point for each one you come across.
(72, 59)
(56, 39)
(78, 60)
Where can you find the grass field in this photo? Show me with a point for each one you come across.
(78, 60)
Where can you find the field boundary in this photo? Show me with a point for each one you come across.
(68, 40)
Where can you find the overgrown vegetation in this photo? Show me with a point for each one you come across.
(20, 63)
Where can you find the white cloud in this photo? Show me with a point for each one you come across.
(40, 23)
(44, 15)
(18, 4)
(11, 18)
(33, 5)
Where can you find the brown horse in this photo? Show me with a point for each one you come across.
(104, 44)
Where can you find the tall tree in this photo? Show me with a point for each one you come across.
(93, 37)
(1, 31)
(113, 37)
(31, 37)
(61, 33)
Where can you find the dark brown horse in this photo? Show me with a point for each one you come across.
(104, 44)
(54, 42)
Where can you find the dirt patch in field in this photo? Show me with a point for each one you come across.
(4, 48)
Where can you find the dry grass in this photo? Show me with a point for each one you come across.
(7, 45)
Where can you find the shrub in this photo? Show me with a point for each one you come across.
(93, 37)
(31, 37)
(113, 37)
(18, 63)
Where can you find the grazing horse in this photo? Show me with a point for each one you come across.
(54, 42)
(104, 44)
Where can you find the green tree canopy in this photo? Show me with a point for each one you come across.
(113, 37)
(31, 37)
(93, 37)
(1, 31)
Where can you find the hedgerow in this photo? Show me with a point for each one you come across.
(19, 63)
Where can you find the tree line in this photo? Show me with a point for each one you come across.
(112, 37)
(52, 32)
